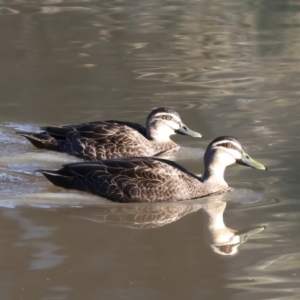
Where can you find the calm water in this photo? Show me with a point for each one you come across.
(229, 67)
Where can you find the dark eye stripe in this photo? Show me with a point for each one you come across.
(232, 146)
(166, 117)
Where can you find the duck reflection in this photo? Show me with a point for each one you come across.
(219, 238)
(140, 216)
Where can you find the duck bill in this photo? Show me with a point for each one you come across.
(246, 160)
(183, 129)
(240, 237)
(244, 234)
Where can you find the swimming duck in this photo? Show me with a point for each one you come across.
(145, 179)
(112, 139)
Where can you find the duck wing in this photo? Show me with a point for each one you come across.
(97, 142)
(94, 140)
(139, 128)
(93, 130)
(128, 180)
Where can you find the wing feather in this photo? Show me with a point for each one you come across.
(101, 139)
(133, 179)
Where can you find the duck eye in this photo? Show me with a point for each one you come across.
(228, 145)
(166, 117)
(225, 249)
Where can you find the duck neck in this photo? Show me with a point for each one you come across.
(215, 230)
(214, 172)
(213, 213)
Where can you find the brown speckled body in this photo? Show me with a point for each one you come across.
(134, 180)
(99, 140)
(113, 139)
(145, 179)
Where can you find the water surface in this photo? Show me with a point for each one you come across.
(228, 68)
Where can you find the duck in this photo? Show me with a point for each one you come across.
(110, 139)
(153, 179)
(221, 239)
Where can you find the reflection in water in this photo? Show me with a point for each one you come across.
(141, 216)
(45, 253)
(221, 239)
(231, 67)
(55, 9)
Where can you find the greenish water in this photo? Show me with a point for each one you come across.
(228, 67)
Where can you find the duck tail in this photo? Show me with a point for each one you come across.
(41, 140)
(63, 178)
